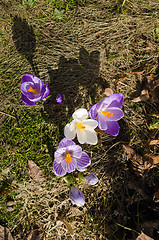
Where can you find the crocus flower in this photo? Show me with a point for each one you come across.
(32, 89)
(69, 157)
(59, 98)
(77, 197)
(108, 112)
(83, 127)
(91, 179)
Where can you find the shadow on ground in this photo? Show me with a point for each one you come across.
(25, 40)
(78, 80)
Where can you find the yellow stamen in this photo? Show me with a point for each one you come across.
(108, 114)
(68, 158)
(32, 90)
(80, 126)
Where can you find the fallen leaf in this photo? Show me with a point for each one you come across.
(139, 72)
(154, 142)
(143, 236)
(67, 225)
(153, 87)
(108, 91)
(156, 194)
(151, 228)
(143, 96)
(35, 172)
(139, 164)
(5, 234)
(76, 212)
(34, 235)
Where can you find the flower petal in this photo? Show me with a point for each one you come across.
(65, 142)
(91, 179)
(27, 101)
(102, 122)
(59, 98)
(117, 114)
(69, 166)
(81, 135)
(38, 84)
(45, 91)
(68, 133)
(75, 151)
(81, 169)
(112, 128)
(80, 114)
(58, 169)
(91, 137)
(59, 154)
(77, 197)
(116, 100)
(84, 161)
(93, 111)
(90, 124)
(28, 77)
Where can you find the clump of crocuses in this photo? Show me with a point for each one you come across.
(33, 89)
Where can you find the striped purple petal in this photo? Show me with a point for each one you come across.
(58, 169)
(84, 161)
(77, 197)
(91, 179)
(69, 166)
(65, 142)
(75, 151)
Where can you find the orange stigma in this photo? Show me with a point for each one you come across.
(30, 89)
(68, 158)
(108, 114)
(80, 126)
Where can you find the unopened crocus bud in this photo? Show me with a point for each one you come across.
(77, 197)
(59, 98)
(91, 179)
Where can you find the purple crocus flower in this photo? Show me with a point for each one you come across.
(32, 89)
(91, 179)
(77, 197)
(108, 112)
(69, 157)
(59, 98)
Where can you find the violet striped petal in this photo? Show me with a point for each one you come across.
(58, 169)
(65, 142)
(77, 197)
(84, 161)
(91, 179)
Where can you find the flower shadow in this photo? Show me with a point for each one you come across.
(78, 80)
(24, 40)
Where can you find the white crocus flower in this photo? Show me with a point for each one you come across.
(83, 127)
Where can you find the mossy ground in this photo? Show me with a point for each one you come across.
(78, 50)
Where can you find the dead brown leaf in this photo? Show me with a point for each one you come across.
(143, 236)
(34, 235)
(108, 91)
(76, 212)
(5, 234)
(156, 194)
(153, 87)
(143, 96)
(67, 225)
(35, 172)
(139, 72)
(154, 142)
(139, 164)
